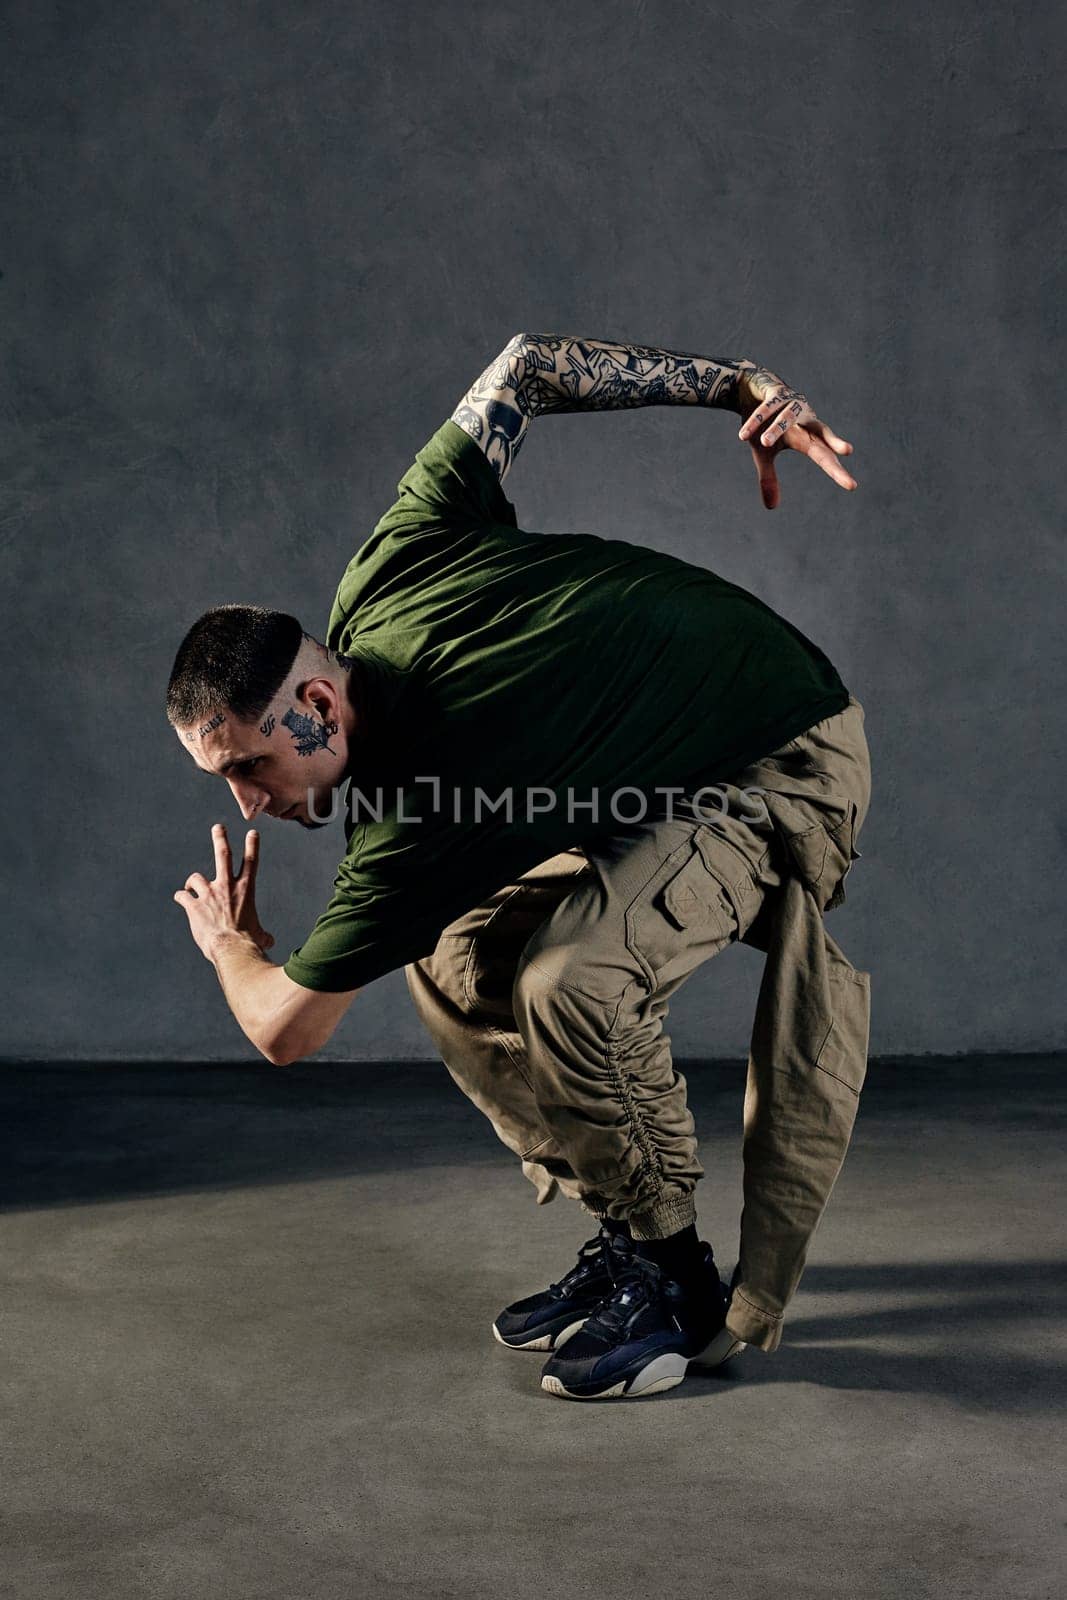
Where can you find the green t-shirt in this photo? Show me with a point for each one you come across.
(549, 666)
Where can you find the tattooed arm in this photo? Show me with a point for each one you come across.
(539, 373)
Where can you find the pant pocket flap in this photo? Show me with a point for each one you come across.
(808, 850)
(695, 895)
(734, 873)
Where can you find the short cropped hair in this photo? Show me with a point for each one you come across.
(235, 658)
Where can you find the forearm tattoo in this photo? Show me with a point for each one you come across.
(539, 373)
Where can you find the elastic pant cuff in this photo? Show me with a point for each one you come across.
(670, 1216)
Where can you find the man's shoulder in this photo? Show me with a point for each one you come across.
(451, 478)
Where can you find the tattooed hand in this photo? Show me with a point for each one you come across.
(226, 905)
(779, 418)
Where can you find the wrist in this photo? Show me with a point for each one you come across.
(718, 382)
(735, 396)
(228, 939)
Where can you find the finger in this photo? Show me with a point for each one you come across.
(251, 856)
(223, 862)
(197, 883)
(766, 409)
(842, 446)
(768, 477)
(183, 898)
(762, 413)
(824, 457)
(795, 415)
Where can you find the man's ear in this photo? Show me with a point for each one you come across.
(322, 696)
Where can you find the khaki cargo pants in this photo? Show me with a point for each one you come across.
(547, 1006)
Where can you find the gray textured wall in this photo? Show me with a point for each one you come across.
(252, 256)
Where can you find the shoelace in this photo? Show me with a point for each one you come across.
(640, 1284)
(602, 1247)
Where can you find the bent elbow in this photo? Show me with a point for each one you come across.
(304, 1025)
(283, 1053)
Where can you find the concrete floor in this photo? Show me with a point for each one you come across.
(246, 1352)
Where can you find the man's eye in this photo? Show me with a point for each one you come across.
(247, 766)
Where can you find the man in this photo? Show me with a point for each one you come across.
(577, 769)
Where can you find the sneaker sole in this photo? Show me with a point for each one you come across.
(665, 1372)
(722, 1348)
(545, 1341)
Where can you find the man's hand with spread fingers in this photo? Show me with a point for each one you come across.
(778, 417)
(284, 1020)
(227, 904)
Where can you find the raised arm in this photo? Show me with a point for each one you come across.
(539, 373)
(536, 373)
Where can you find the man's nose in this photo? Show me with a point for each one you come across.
(250, 800)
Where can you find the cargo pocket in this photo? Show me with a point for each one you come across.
(735, 875)
(680, 904)
(840, 854)
(824, 853)
(844, 1050)
(686, 914)
(693, 895)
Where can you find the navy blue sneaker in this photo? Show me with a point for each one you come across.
(543, 1321)
(644, 1337)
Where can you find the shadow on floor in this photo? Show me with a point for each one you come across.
(74, 1132)
(972, 1329)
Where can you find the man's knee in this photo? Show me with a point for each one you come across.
(578, 955)
(554, 980)
(564, 1024)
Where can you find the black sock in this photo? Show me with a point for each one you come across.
(681, 1256)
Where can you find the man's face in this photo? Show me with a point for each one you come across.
(285, 766)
